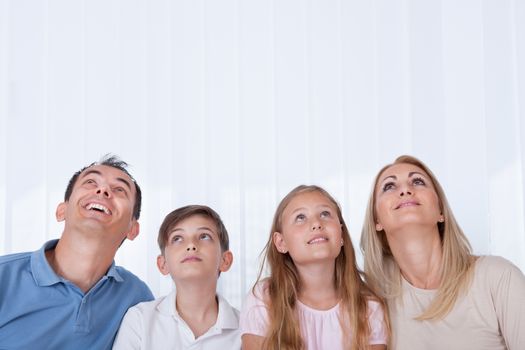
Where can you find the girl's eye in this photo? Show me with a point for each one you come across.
(300, 218)
(388, 186)
(205, 236)
(325, 214)
(418, 181)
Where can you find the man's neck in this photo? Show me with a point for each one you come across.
(80, 261)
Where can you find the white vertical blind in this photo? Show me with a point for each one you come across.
(233, 103)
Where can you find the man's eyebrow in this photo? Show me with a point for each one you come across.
(121, 179)
(92, 171)
(96, 172)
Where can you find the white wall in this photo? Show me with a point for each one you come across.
(234, 103)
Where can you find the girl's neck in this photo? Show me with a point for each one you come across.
(419, 254)
(317, 286)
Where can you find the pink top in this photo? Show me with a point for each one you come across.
(320, 328)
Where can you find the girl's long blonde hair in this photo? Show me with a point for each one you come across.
(283, 329)
(382, 272)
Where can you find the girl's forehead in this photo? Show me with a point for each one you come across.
(308, 199)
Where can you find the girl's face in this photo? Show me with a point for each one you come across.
(405, 197)
(310, 230)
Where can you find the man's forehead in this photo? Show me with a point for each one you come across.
(108, 171)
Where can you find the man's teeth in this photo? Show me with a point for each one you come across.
(98, 207)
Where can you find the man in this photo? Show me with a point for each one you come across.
(69, 294)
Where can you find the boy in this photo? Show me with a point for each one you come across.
(194, 249)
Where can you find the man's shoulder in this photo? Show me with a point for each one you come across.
(132, 283)
(127, 276)
(15, 258)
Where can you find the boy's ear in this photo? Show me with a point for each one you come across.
(161, 264)
(134, 231)
(60, 213)
(280, 244)
(226, 261)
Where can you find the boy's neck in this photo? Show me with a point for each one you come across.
(198, 306)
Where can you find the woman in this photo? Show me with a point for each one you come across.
(417, 257)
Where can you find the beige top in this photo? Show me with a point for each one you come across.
(491, 316)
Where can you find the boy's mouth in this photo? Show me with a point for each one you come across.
(191, 258)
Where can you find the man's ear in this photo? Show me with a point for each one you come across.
(134, 231)
(161, 264)
(280, 244)
(60, 213)
(226, 261)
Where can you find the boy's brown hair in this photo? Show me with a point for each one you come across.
(176, 216)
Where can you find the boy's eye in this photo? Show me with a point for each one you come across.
(90, 181)
(388, 186)
(176, 239)
(205, 236)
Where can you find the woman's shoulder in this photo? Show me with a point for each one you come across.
(493, 264)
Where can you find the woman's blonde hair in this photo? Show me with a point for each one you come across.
(283, 284)
(382, 272)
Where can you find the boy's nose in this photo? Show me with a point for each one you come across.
(190, 248)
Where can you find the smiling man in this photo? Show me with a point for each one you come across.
(69, 294)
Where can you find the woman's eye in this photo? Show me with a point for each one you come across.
(418, 181)
(388, 186)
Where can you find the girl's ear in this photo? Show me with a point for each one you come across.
(280, 244)
(161, 264)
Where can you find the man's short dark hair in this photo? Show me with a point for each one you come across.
(117, 163)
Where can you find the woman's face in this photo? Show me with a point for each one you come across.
(405, 197)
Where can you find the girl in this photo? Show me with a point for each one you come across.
(314, 297)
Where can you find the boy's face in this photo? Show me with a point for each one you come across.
(193, 251)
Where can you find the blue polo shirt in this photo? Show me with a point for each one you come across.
(41, 310)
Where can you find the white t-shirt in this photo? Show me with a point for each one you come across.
(157, 325)
(491, 316)
(320, 329)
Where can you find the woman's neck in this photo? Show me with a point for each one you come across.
(418, 253)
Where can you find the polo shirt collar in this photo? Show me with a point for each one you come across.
(44, 275)
(226, 319)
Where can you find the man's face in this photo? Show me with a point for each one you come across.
(101, 202)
